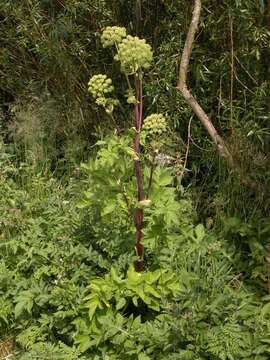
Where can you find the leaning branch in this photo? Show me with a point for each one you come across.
(182, 87)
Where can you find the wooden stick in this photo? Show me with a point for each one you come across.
(182, 87)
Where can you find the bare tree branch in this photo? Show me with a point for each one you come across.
(182, 87)
(188, 44)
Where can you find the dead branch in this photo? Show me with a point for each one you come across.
(182, 87)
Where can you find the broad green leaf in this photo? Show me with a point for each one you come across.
(92, 305)
(121, 303)
(135, 300)
(164, 178)
(266, 309)
(133, 277)
(151, 277)
(149, 289)
(199, 232)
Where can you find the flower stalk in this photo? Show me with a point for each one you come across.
(138, 216)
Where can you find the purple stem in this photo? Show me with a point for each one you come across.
(138, 217)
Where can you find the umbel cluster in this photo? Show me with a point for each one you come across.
(134, 55)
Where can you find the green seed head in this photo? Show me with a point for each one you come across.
(100, 84)
(134, 54)
(155, 125)
(113, 35)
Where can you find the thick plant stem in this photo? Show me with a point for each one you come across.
(182, 87)
(138, 216)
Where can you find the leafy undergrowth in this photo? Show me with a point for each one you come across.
(68, 289)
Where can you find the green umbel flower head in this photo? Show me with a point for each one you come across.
(113, 35)
(155, 125)
(100, 86)
(134, 54)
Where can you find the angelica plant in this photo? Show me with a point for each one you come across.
(135, 56)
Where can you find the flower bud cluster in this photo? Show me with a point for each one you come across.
(113, 35)
(134, 54)
(155, 125)
(99, 86)
(131, 99)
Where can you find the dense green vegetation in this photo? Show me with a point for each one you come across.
(72, 207)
